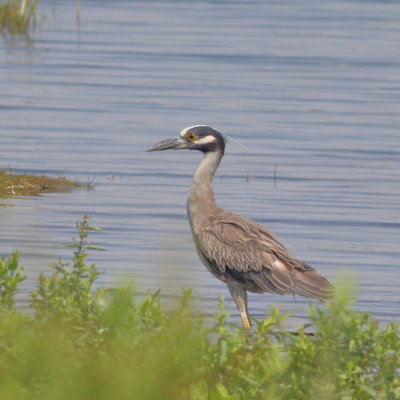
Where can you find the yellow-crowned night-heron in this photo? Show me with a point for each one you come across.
(237, 250)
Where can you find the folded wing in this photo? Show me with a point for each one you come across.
(242, 250)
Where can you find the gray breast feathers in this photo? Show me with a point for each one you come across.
(251, 255)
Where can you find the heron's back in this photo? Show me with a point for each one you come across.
(240, 251)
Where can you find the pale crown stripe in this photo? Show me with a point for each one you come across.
(185, 130)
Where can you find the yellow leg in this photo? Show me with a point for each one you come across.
(239, 295)
(245, 319)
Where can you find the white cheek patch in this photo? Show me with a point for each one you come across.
(183, 132)
(206, 140)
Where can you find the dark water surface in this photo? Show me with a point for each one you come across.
(312, 89)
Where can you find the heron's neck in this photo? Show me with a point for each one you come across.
(201, 200)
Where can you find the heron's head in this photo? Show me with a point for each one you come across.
(198, 137)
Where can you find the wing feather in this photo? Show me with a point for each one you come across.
(248, 253)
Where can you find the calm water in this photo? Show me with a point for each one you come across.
(312, 89)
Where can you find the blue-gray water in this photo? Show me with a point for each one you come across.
(312, 89)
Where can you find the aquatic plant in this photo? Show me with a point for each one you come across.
(17, 16)
(84, 343)
(30, 185)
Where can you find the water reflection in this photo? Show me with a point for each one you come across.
(309, 89)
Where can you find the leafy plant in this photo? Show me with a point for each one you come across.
(82, 343)
(67, 296)
(11, 276)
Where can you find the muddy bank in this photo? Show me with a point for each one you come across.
(32, 185)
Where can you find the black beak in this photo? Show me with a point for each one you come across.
(168, 144)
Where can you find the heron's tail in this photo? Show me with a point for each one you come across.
(310, 283)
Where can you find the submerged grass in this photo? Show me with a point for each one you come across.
(32, 185)
(80, 343)
(17, 16)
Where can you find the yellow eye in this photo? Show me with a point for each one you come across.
(192, 137)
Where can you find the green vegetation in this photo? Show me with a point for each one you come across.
(17, 17)
(31, 185)
(81, 343)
